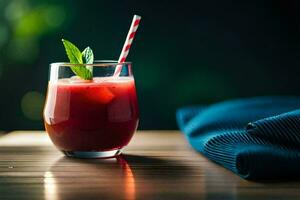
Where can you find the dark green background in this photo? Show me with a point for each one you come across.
(185, 52)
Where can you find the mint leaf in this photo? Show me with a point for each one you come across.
(73, 52)
(76, 57)
(88, 58)
(82, 72)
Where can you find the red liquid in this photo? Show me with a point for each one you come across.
(100, 115)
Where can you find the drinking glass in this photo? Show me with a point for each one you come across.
(91, 118)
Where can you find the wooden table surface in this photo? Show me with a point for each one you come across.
(156, 165)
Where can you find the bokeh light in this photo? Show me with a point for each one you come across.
(28, 22)
(32, 105)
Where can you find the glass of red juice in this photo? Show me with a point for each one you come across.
(91, 118)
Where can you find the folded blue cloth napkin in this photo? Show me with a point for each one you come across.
(256, 138)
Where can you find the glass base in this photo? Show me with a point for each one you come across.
(93, 154)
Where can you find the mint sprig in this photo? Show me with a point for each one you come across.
(76, 57)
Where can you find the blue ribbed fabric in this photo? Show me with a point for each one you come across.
(257, 138)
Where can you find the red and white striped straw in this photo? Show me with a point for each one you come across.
(125, 50)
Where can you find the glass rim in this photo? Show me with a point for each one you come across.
(97, 63)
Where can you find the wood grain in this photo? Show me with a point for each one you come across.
(156, 165)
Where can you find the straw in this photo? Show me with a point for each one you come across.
(125, 50)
